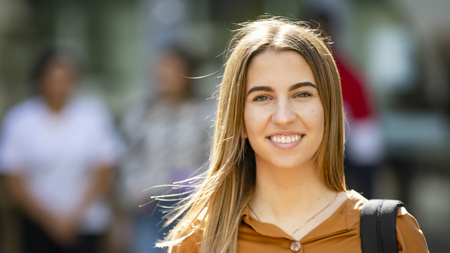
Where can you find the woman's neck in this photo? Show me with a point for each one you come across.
(289, 197)
(287, 190)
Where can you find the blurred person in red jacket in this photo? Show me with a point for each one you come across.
(57, 151)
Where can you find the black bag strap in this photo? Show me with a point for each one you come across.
(378, 226)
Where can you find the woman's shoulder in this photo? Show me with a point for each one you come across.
(409, 234)
(355, 200)
(190, 244)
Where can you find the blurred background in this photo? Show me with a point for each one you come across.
(394, 58)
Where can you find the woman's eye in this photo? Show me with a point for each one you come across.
(303, 95)
(261, 98)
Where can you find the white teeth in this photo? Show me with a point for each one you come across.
(285, 139)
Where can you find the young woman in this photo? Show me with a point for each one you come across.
(276, 178)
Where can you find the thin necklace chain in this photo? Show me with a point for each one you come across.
(323, 209)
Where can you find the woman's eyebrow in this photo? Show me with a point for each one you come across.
(298, 85)
(268, 88)
(259, 88)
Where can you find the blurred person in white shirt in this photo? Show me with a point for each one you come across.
(57, 151)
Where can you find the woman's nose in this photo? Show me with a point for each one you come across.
(283, 113)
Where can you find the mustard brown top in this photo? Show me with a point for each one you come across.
(338, 233)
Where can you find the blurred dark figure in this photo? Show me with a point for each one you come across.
(167, 140)
(57, 151)
(444, 53)
(364, 144)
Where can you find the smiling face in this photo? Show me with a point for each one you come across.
(283, 115)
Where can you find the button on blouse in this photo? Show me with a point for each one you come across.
(295, 246)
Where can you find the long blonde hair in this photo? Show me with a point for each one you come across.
(214, 209)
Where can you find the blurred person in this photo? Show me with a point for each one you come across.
(57, 150)
(364, 150)
(167, 140)
(276, 178)
(443, 40)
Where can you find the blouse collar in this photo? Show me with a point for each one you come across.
(345, 218)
